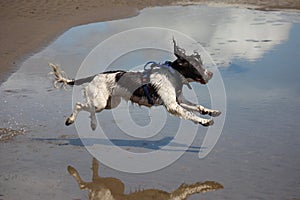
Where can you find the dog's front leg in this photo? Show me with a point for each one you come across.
(168, 96)
(179, 111)
(197, 108)
(201, 109)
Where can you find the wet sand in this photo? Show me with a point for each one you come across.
(35, 162)
(28, 26)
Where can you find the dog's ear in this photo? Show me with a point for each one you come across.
(179, 52)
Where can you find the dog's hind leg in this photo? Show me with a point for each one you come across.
(86, 107)
(93, 118)
(95, 102)
(77, 108)
(96, 97)
(97, 105)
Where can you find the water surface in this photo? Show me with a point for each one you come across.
(257, 155)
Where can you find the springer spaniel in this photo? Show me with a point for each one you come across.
(159, 84)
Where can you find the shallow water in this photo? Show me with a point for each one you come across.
(257, 155)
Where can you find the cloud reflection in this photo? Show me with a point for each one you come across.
(227, 33)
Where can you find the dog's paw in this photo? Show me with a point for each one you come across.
(207, 122)
(93, 126)
(69, 121)
(215, 113)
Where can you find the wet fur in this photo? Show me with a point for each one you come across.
(164, 83)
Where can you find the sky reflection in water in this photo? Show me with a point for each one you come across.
(258, 54)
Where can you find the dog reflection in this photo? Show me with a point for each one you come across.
(113, 189)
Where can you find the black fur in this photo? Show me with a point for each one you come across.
(82, 80)
(130, 80)
(139, 92)
(186, 69)
(119, 74)
(112, 71)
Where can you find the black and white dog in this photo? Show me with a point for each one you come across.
(159, 84)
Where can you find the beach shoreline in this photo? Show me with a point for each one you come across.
(28, 26)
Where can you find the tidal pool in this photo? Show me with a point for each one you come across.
(257, 154)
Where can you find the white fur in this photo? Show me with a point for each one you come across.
(98, 91)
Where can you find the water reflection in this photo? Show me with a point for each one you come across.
(227, 34)
(109, 188)
(257, 156)
(247, 35)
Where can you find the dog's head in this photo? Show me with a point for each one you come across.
(190, 66)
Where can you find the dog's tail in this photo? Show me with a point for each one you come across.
(61, 77)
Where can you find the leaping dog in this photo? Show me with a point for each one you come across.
(157, 84)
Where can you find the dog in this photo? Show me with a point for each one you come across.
(109, 188)
(158, 84)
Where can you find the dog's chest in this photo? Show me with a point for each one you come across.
(131, 86)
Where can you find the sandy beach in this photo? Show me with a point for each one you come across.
(28, 26)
